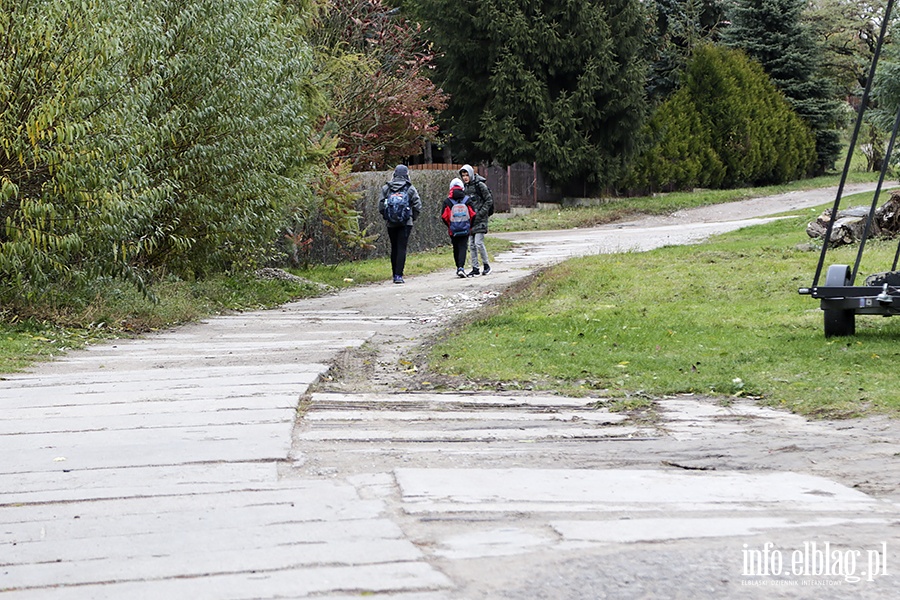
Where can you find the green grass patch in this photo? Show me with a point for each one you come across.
(379, 269)
(721, 318)
(616, 209)
(24, 342)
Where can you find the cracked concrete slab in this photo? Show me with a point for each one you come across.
(631, 490)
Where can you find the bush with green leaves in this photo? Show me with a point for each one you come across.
(147, 137)
(726, 126)
(229, 122)
(68, 183)
(327, 226)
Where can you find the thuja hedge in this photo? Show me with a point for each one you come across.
(726, 126)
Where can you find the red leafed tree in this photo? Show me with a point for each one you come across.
(374, 66)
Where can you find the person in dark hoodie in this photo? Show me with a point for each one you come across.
(483, 203)
(457, 214)
(400, 205)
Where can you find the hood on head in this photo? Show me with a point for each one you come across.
(456, 182)
(401, 172)
(468, 169)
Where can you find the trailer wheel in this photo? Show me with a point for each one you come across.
(839, 322)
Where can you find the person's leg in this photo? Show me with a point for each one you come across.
(481, 250)
(460, 244)
(473, 250)
(393, 235)
(402, 243)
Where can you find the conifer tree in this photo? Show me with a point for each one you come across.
(558, 82)
(726, 125)
(772, 33)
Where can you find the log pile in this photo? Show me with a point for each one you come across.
(850, 223)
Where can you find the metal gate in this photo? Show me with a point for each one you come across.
(520, 185)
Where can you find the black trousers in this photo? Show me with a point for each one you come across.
(460, 246)
(399, 237)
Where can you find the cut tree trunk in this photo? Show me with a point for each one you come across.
(850, 223)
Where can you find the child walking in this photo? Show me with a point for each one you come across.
(400, 205)
(458, 214)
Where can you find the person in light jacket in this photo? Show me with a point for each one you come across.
(482, 202)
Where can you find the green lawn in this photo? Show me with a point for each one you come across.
(721, 318)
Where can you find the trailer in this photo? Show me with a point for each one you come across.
(840, 298)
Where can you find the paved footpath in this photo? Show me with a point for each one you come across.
(204, 462)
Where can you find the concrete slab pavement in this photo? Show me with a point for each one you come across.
(149, 468)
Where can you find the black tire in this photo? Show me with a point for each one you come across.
(839, 322)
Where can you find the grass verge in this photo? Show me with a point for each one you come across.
(379, 269)
(113, 309)
(721, 318)
(618, 209)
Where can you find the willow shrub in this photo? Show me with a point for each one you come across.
(229, 123)
(147, 136)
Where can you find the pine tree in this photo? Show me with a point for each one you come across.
(558, 82)
(772, 33)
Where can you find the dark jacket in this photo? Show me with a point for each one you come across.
(480, 199)
(400, 179)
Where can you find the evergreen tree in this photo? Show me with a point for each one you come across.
(680, 26)
(772, 33)
(558, 82)
(726, 125)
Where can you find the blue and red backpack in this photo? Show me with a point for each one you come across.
(460, 223)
